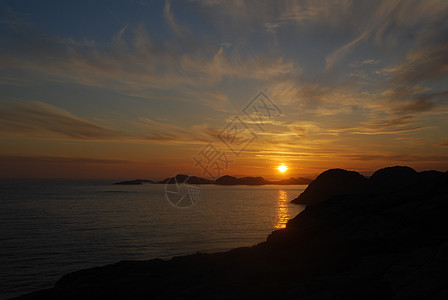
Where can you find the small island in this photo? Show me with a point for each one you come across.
(134, 182)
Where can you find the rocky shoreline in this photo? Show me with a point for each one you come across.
(384, 238)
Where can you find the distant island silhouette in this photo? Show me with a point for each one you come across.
(382, 237)
(135, 182)
(223, 180)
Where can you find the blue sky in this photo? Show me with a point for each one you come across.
(138, 88)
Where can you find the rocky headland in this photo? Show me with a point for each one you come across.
(379, 238)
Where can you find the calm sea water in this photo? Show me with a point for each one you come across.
(52, 227)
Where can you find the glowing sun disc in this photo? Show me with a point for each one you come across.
(282, 168)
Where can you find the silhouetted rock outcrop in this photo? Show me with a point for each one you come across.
(292, 180)
(252, 181)
(230, 180)
(134, 182)
(176, 179)
(380, 244)
(330, 183)
(226, 180)
(129, 182)
(338, 182)
(393, 179)
(435, 178)
(181, 178)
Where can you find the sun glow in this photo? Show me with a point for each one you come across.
(282, 168)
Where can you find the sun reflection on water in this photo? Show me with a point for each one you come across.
(283, 213)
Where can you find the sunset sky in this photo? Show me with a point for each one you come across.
(132, 89)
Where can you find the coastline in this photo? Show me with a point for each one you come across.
(386, 241)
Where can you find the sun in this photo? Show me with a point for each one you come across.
(282, 168)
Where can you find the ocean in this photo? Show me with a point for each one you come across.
(52, 227)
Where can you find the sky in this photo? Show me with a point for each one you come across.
(150, 89)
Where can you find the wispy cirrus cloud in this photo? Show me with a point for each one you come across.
(167, 133)
(383, 24)
(38, 119)
(415, 84)
(386, 123)
(60, 160)
(395, 157)
(180, 31)
(370, 61)
(138, 65)
(394, 125)
(444, 142)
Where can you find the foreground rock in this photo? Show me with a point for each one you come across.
(371, 244)
(330, 183)
(337, 182)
